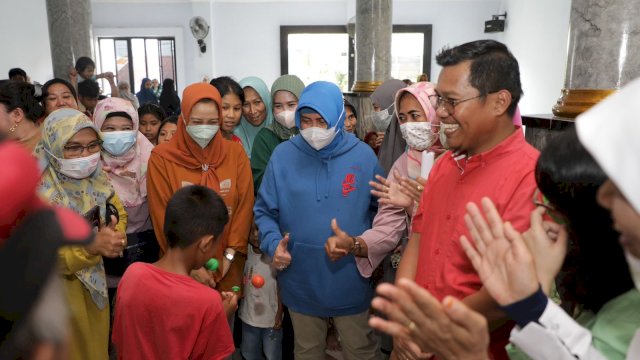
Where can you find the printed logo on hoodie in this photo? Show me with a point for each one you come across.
(348, 184)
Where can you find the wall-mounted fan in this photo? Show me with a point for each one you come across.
(199, 29)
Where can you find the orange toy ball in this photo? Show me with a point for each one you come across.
(257, 281)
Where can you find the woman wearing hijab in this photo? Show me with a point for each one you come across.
(418, 123)
(285, 92)
(314, 184)
(169, 99)
(198, 154)
(125, 154)
(256, 111)
(392, 145)
(146, 95)
(73, 178)
(125, 93)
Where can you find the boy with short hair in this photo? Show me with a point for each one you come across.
(88, 93)
(161, 312)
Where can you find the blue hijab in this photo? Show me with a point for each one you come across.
(245, 130)
(146, 95)
(325, 99)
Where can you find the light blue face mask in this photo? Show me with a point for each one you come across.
(202, 134)
(117, 143)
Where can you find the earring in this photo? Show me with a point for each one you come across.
(13, 128)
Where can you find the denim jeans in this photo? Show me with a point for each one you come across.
(256, 340)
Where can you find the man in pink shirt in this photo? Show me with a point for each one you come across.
(478, 92)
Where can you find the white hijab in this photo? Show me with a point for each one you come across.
(610, 131)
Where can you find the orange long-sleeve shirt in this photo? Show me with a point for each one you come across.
(236, 189)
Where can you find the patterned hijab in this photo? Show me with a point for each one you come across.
(128, 172)
(81, 195)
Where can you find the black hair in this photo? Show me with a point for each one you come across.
(595, 270)
(193, 212)
(493, 67)
(173, 119)
(48, 84)
(17, 71)
(351, 107)
(119, 113)
(153, 109)
(84, 62)
(89, 89)
(18, 94)
(225, 85)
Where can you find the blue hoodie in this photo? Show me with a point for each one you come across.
(302, 190)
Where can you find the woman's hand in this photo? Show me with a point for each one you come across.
(390, 192)
(500, 256)
(282, 257)
(339, 244)
(379, 139)
(108, 242)
(547, 242)
(412, 188)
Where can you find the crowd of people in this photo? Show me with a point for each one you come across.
(150, 226)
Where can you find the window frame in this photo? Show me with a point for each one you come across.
(285, 30)
(128, 39)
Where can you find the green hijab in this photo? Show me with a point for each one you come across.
(294, 85)
(245, 130)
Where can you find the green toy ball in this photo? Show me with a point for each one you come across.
(212, 265)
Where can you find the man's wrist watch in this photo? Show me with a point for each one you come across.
(229, 254)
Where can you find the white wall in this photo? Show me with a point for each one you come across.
(245, 35)
(24, 35)
(537, 33)
(144, 18)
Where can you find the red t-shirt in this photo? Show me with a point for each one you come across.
(505, 174)
(162, 315)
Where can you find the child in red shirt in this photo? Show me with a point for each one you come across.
(161, 312)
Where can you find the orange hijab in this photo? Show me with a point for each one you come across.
(184, 151)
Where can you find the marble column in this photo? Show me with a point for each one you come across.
(373, 44)
(602, 53)
(69, 33)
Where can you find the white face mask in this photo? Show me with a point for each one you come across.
(317, 137)
(382, 119)
(117, 143)
(202, 134)
(418, 135)
(286, 118)
(634, 268)
(78, 168)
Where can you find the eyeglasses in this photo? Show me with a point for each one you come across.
(449, 105)
(75, 150)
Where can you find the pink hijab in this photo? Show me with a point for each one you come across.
(421, 91)
(128, 173)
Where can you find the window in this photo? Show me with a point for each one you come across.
(135, 58)
(328, 53)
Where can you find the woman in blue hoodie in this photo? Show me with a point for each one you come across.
(313, 183)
